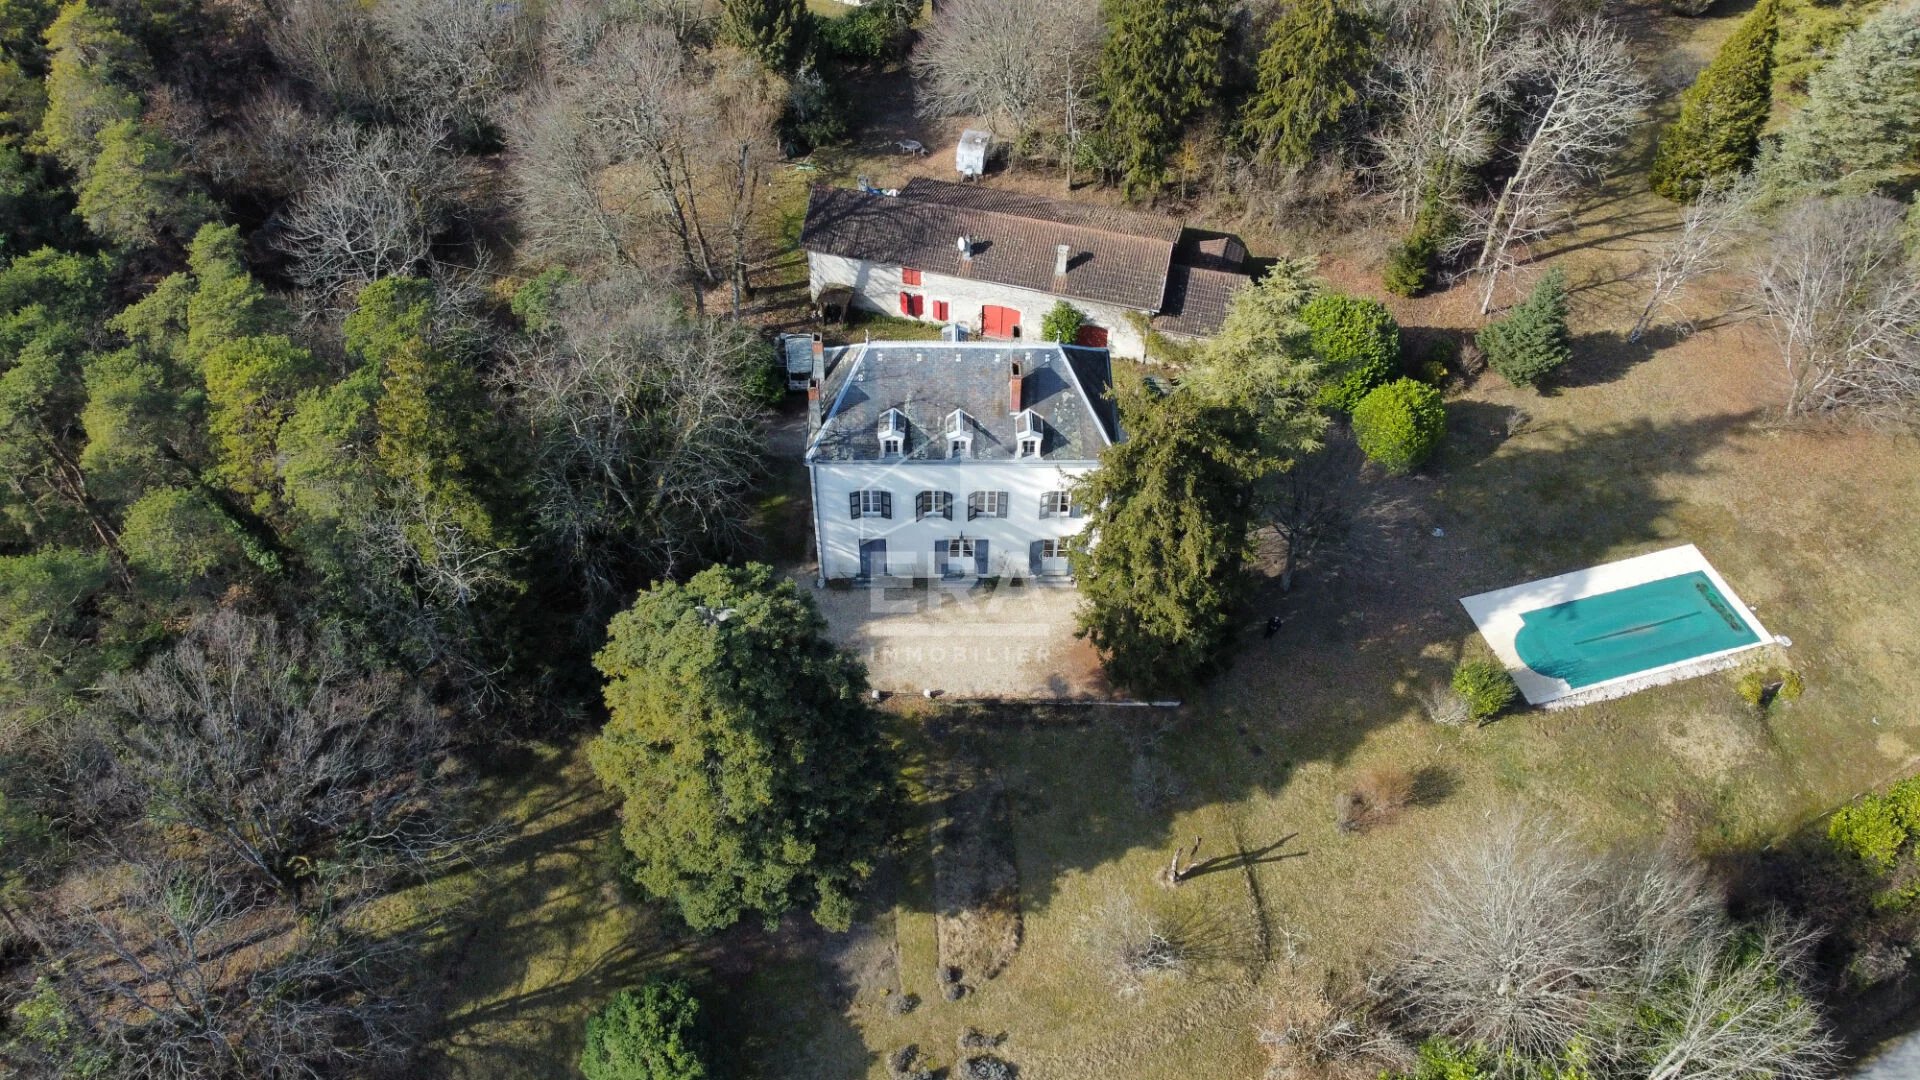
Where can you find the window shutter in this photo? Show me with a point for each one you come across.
(980, 557)
(909, 276)
(886, 505)
(906, 303)
(919, 305)
(973, 505)
(941, 310)
(1046, 504)
(946, 505)
(1073, 508)
(1000, 505)
(939, 558)
(1034, 557)
(853, 503)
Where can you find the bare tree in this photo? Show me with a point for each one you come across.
(1456, 66)
(1511, 941)
(456, 60)
(334, 46)
(1024, 65)
(1588, 96)
(181, 973)
(1707, 227)
(740, 111)
(646, 433)
(1844, 309)
(1729, 1007)
(275, 750)
(606, 157)
(376, 202)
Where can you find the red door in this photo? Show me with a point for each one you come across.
(1093, 337)
(999, 322)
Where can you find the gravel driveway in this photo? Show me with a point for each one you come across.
(966, 642)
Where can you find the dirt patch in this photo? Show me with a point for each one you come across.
(976, 886)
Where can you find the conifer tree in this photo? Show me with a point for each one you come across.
(1717, 134)
(1173, 513)
(1161, 66)
(1317, 52)
(1861, 124)
(776, 31)
(135, 194)
(1533, 339)
(93, 70)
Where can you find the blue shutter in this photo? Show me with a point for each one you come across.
(853, 503)
(1004, 500)
(939, 558)
(886, 505)
(1033, 557)
(980, 557)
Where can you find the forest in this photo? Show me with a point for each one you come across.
(387, 400)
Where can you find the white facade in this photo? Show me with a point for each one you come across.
(917, 548)
(877, 287)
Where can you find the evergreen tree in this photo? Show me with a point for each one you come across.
(93, 72)
(754, 776)
(1161, 65)
(1717, 134)
(779, 32)
(646, 1034)
(1262, 362)
(1162, 562)
(1533, 339)
(1860, 128)
(135, 194)
(1317, 53)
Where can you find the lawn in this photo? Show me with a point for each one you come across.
(1631, 449)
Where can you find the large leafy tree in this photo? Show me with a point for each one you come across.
(1317, 53)
(754, 777)
(1162, 562)
(1717, 134)
(1160, 67)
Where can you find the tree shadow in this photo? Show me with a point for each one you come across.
(1366, 631)
(1604, 356)
(1241, 860)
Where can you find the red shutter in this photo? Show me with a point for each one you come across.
(940, 310)
(909, 276)
(1093, 337)
(919, 305)
(906, 303)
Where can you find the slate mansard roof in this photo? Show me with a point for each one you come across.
(1068, 388)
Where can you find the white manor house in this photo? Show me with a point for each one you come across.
(953, 461)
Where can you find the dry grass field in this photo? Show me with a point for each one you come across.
(1632, 448)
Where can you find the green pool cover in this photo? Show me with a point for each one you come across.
(1629, 630)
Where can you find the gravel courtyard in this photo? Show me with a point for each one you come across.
(978, 641)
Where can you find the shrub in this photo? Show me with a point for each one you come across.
(1063, 323)
(1356, 340)
(1717, 134)
(1533, 339)
(1409, 265)
(645, 1034)
(532, 303)
(866, 35)
(1486, 686)
(1446, 707)
(1903, 799)
(1754, 683)
(1400, 424)
(1868, 830)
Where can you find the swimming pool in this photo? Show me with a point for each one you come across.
(1611, 634)
(1616, 628)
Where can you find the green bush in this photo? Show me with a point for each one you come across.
(1400, 424)
(1063, 323)
(1533, 340)
(1753, 683)
(1357, 342)
(645, 1034)
(1441, 1059)
(1486, 687)
(1903, 799)
(1410, 265)
(532, 303)
(866, 35)
(1868, 830)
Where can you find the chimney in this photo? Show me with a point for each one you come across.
(965, 244)
(1014, 380)
(1062, 254)
(819, 356)
(813, 405)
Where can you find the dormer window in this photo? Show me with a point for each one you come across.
(1031, 435)
(959, 434)
(893, 434)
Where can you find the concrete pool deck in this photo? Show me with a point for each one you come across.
(1501, 614)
